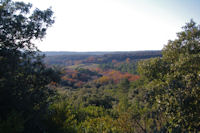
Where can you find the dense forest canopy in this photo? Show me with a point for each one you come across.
(145, 91)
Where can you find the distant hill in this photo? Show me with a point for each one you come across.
(52, 53)
(71, 58)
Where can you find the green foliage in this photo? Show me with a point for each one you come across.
(103, 124)
(130, 67)
(24, 78)
(173, 80)
(61, 118)
(124, 85)
(165, 99)
(92, 96)
(13, 123)
(151, 69)
(86, 71)
(64, 118)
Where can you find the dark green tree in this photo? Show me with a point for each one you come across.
(24, 95)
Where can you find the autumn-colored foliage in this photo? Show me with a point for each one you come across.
(115, 76)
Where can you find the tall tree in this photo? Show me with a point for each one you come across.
(174, 80)
(23, 77)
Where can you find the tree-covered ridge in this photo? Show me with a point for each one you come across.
(97, 58)
(110, 67)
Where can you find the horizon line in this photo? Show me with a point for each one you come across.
(105, 51)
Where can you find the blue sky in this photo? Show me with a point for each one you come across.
(115, 25)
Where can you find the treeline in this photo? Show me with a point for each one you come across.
(66, 60)
(137, 55)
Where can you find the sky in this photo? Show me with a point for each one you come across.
(115, 25)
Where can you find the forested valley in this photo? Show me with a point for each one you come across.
(94, 92)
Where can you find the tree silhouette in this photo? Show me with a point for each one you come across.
(23, 77)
